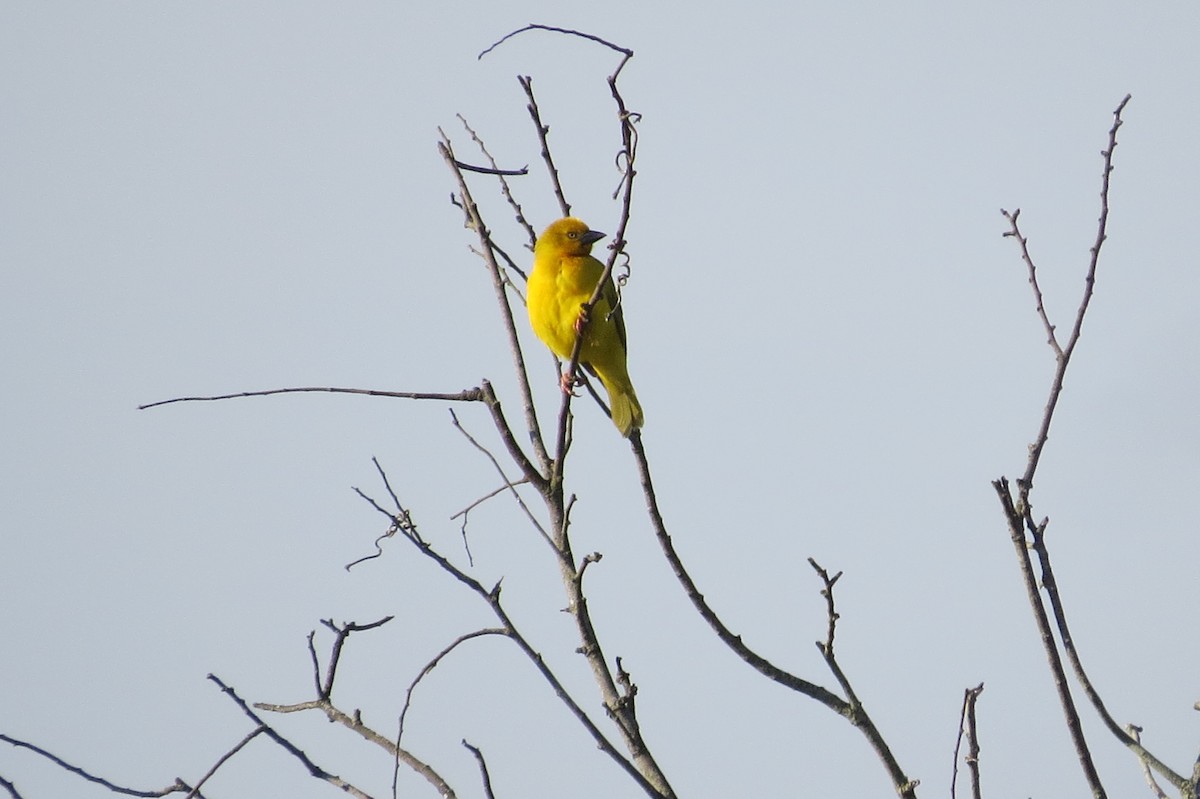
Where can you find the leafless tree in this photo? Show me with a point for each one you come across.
(532, 469)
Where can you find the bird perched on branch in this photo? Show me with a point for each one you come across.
(563, 279)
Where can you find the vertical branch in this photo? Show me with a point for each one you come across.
(967, 728)
(616, 691)
(1063, 354)
(1019, 512)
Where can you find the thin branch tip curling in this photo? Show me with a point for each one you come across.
(533, 26)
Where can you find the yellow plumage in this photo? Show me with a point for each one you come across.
(563, 278)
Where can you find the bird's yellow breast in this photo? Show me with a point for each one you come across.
(557, 287)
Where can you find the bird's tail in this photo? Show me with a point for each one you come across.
(623, 402)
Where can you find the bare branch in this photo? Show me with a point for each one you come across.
(483, 769)
(514, 345)
(325, 690)
(492, 170)
(12, 789)
(355, 724)
(1015, 232)
(467, 395)
(492, 598)
(510, 484)
(852, 710)
(505, 190)
(179, 786)
(432, 664)
(543, 131)
(831, 614)
(536, 27)
(1135, 732)
(967, 728)
(1019, 512)
(288, 746)
(195, 792)
(1063, 354)
(626, 158)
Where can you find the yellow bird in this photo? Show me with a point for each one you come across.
(563, 278)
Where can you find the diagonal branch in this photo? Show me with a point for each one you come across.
(287, 745)
(514, 345)
(543, 131)
(504, 189)
(492, 598)
(852, 710)
(179, 786)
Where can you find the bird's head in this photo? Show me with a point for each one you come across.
(568, 236)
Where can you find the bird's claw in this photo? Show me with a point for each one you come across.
(582, 320)
(567, 382)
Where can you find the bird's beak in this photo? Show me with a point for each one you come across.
(592, 236)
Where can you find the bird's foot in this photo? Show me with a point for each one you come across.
(567, 381)
(582, 321)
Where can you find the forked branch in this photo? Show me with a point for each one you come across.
(1028, 533)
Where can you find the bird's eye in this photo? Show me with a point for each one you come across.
(572, 235)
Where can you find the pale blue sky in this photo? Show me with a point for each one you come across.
(835, 348)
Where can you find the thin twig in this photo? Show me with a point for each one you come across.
(973, 751)
(967, 729)
(467, 395)
(465, 514)
(543, 131)
(485, 239)
(492, 598)
(851, 711)
(489, 495)
(1018, 509)
(195, 792)
(509, 484)
(826, 647)
(483, 769)
(1135, 732)
(492, 170)
(504, 189)
(354, 723)
(179, 786)
(536, 27)
(626, 158)
(408, 694)
(12, 789)
(288, 746)
(325, 690)
(432, 664)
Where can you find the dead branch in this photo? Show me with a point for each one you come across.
(492, 598)
(967, 728)
(467, 395)
(1018, 509)
(483, 769)
(179, 786)
(292, 749)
